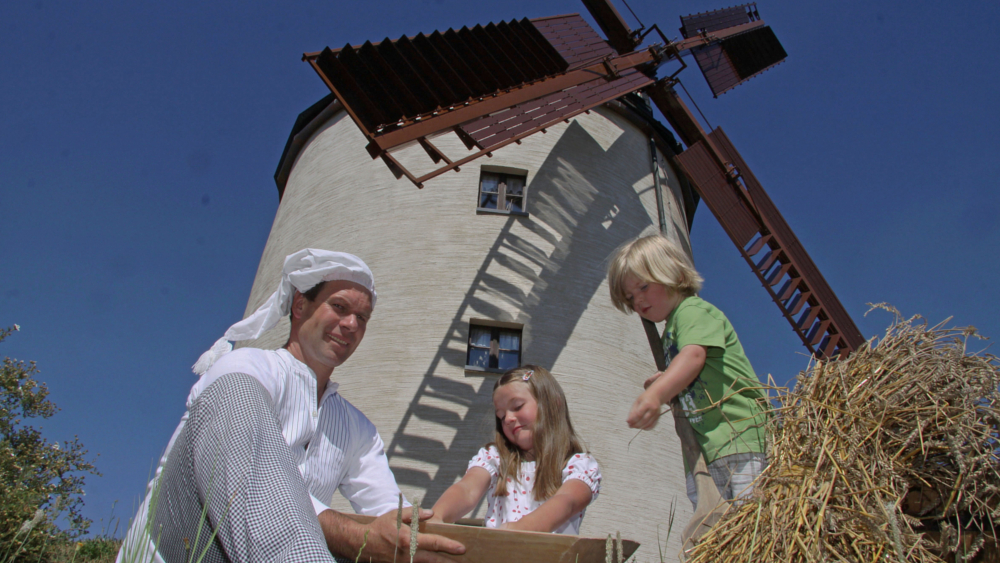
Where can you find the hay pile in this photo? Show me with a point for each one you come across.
(871, 452)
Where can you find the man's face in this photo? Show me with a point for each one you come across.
(331, 326)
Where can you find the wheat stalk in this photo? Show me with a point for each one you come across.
(871, 452)
(414, 527)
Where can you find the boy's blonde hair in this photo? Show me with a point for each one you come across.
(653, 258)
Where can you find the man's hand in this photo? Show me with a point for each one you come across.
(380, 539)
(430, 547)
(645, 412)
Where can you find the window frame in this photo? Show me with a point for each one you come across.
(495, 328)
(502, 174)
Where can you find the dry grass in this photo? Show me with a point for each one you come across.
(871, 452)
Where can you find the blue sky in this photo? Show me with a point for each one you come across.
(138, 141)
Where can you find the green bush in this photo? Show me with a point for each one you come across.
(40, 482)
(98, 549)
(93, 550)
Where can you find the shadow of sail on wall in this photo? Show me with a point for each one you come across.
(541, 272)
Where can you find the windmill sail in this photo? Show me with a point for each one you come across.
(491, 85)
(772, 250)
(731, 61)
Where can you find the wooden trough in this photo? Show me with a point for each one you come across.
(490, 545)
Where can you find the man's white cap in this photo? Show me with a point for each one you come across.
(303, 270)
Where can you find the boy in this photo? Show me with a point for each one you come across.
(706, 366)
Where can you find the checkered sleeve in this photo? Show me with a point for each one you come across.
(231, 471)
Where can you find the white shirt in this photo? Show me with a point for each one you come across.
(334, 445)
(520, 499)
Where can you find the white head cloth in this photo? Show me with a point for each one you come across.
(302, 271)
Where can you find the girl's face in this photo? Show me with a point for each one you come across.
(517, 409)
(653, 301)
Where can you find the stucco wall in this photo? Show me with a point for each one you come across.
(438, 264)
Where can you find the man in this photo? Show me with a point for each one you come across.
(267, 441)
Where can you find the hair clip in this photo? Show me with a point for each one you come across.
(527, 375)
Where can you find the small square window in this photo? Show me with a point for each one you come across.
(493, 348)
(501, 191)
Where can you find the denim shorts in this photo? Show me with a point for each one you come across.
(733, 475)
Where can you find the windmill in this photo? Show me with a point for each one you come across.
(538, 153)
(498, 84)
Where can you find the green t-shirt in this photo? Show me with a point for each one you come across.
(727, 413)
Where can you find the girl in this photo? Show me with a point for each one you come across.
(539, 476)
(706, 367)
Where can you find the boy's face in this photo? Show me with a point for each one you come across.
(653, 301)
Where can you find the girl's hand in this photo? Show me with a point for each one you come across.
(462, 497)
(645, 412)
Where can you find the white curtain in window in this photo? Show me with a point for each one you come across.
(515, 191)
(510, 340)
(510, 347)
(479, 347)
(515, 185)
(489, 191)
(480, 336)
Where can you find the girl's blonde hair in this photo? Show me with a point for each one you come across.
(555, 441)
(653, 258)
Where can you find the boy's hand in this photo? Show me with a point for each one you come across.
(645, 412)
(649, 381)
(662, 387)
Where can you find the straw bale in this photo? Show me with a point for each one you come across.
(871, 452)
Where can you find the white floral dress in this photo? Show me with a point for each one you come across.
(520, 500)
